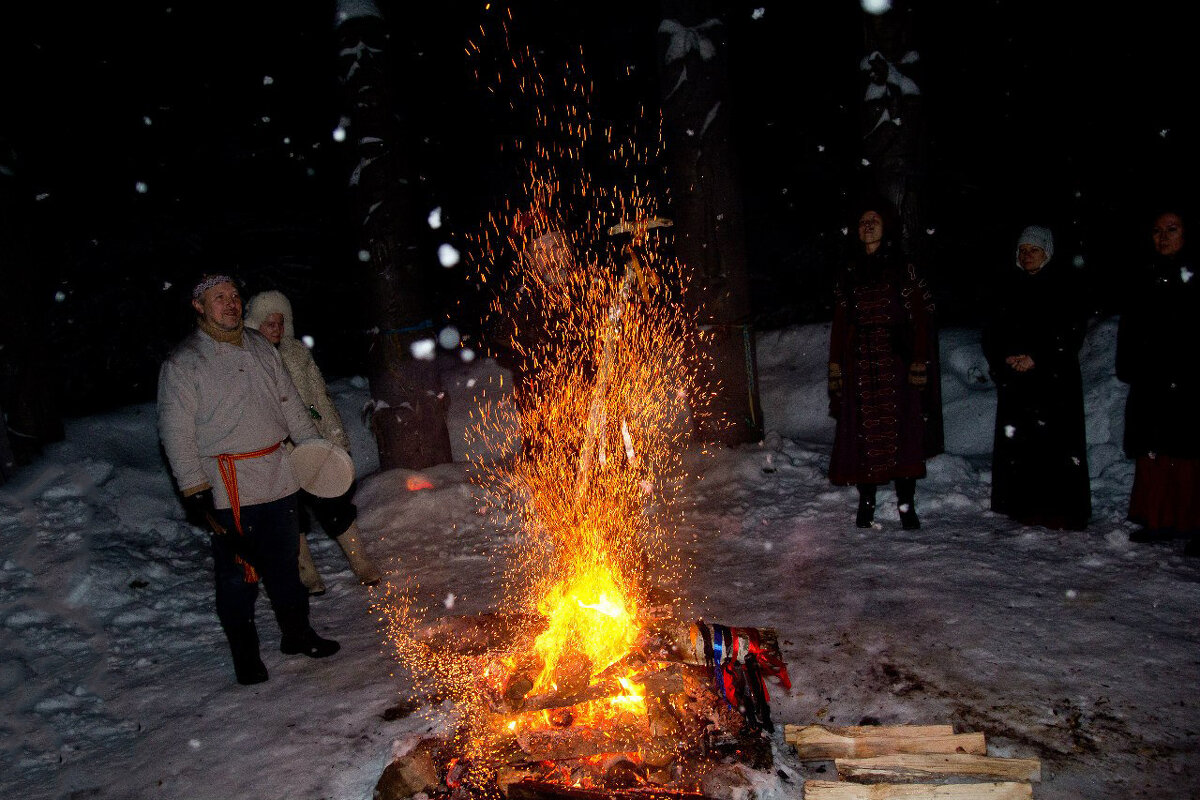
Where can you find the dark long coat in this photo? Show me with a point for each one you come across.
(883, 323)
(1158, 355)
(1039, 459)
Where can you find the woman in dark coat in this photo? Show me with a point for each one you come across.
(883, 376)
(1039, 460)
(1158, 355)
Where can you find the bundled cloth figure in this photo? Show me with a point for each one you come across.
(270, 313)
(1032, 342)
(884, 382)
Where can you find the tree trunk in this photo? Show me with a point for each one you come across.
(706, 206)
(29, 416)
(408, 413)
(893, 119)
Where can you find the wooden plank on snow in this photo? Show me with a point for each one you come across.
(932, 766)
(906, 731)
(816, 743)
(842, 790)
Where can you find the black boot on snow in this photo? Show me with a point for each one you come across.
(247, 664)
(307, 643)
(866, 505)
(906, 492)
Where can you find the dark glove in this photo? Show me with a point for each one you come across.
(201, 510)
(918, 374)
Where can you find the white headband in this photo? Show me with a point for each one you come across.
(207, 282)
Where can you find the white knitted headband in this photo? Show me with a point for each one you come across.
(209, 281)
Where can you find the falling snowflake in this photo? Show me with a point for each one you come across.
(758, 13)
(364, 255)
(449, 601)
(1010, 431)
(447, 256)
(449, 337)
(435, 218)
(423, 349)
(467, 355)
(141, 187)
(308, 341)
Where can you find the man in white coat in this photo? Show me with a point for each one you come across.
(225, 407)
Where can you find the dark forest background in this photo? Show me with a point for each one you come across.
(144, 142)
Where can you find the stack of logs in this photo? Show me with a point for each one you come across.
(907, 762)
(704, 702)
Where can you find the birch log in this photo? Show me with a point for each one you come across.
(841, 790)
(932, 766)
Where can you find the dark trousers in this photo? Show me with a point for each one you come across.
(271, 543)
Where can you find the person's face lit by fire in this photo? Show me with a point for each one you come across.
(272, 327)
(870, 230)
(1168, 234)
(221, 307)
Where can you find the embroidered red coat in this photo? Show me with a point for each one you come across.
(883, 325)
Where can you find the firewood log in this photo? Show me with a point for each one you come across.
(538, 790)
(816, 743)
(839, 790)
(929, 766)
(903, 731)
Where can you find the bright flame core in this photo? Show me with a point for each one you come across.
(591, 624)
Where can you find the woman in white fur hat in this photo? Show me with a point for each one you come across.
(1039, 459)
(270, 313)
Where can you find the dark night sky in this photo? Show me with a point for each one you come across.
(1067, 114)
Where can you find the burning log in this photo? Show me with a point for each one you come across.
(477, 634)
(835, 790)
(537, 790)
(415, 771)
(571, 696)
(818, 743)
(917, 767)
(578, 742)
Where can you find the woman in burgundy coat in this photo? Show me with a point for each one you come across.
(1157, 344)
(883, 370)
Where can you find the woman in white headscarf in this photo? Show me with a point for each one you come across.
(1039, 459)
(271, 314)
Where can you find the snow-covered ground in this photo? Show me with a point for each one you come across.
(1078, 648)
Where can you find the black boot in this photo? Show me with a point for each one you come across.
(906, 492)
(298, 637)
(243, 644)
(309, 643)
(866, 505)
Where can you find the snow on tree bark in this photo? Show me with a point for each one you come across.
(707, 207)
(408, 415)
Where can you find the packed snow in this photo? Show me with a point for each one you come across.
(1080, 649)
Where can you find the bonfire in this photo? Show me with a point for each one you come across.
(585, 679)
